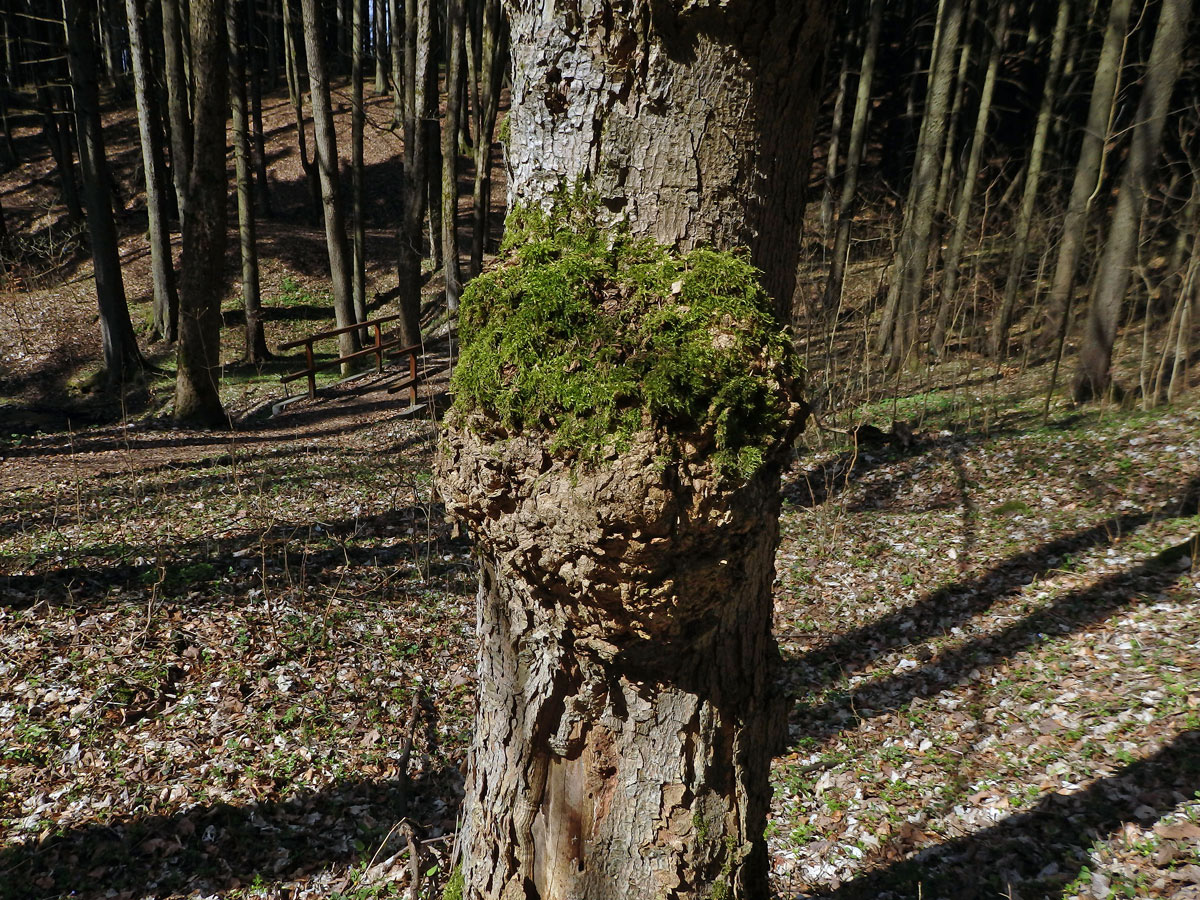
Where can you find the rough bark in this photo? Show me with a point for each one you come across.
(166, 298)
(625, 723)
(121, 355)
(1120, 249)
(1087, 173)
(255, 343)
(695, 106)
(201, 285)
(325, 145)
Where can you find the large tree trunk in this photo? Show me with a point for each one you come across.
(202, 282)
(325, 144)
(1120, 250)
(162, 264)
(121, 355)
(624, 729)
(667, 135)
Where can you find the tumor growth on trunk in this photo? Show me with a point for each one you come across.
(620, 417)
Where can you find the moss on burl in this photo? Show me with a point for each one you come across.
(590, 336)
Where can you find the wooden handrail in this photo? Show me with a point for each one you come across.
(377, 349)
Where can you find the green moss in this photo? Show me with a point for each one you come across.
(454, 887)
(590, 336)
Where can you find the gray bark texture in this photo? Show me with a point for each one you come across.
(689, 118)
(625, 723)
(626, 717)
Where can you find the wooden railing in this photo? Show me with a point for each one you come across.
(377, 349)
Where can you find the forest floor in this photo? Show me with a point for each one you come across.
(241, 664)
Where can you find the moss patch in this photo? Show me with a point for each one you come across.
(590, 336)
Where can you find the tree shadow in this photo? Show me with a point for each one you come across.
(1069, 613)
(214, 847)
(1035, 853)
(958, 602)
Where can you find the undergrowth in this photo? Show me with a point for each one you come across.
(590, 336)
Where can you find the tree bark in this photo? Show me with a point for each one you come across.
(325, 145)
(256, 343)
(625, 724)
(295, 94)
(379, 44)
(162, 263)
(667, 164)
(1120, 250)
(121, 355)
(202, 282)
(1087, 173)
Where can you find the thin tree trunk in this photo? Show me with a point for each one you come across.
(396, 38)
(121, 355)
(201, 285)
(60, 149)
(166, 299)
(296, 95)
(966, 194)
(380, 26)
(325, 144)
(833, 150)
(258, 150)
(255, 350)
(416, 80)
(1120, 250)
(998, 341)
(1087, 173)
(915, 252)
(854, 155)
(455, 16)
(493, 53)
(946, 178)
(177, 102)
(358, 272)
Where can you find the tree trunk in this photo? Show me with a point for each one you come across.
(258, 150)
(833, 150)
(493, 55)
(177, 102)
(162, 263)
(718, 198)
(256, 343)
(325, 144)
(396, 37)
(455, 51)
(201, 283)
(418, 64)
(966, 194)
(121, 355)
(913, 259)
(624, 728)
(358, 272)
(1120, 250)
(854, 155)
(998, 341)
(60, 149)
(1087, 173)
(379, 44)
(295, 94)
